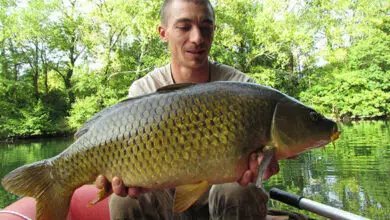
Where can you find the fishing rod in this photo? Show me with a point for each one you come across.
(313, 206)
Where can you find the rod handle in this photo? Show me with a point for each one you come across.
(285, 197)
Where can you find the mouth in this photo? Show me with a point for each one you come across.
(196, 53)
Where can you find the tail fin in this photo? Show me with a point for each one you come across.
(35, 180)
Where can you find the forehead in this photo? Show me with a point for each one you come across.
(189, 11)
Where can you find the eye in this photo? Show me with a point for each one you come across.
(314, 116)
(207, 29)
(184, 28)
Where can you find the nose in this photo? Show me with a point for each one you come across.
(196, 36)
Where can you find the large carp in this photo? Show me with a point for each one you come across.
(185, 136)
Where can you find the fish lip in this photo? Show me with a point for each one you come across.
(335, 135)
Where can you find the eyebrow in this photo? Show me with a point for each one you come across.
(187, 20)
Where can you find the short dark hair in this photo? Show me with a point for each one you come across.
(167, 3)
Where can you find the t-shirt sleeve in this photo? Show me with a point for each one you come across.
(241, 77)
(226, 73)
(151, 81)
(136, 90)
(250, 79)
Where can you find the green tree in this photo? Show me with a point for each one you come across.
(357, 86)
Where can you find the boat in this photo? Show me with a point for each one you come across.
(79, 209)
(24, 208)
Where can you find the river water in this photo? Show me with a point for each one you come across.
(354, 175)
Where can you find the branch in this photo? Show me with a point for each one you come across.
(252, 59)
(82, 51)
(59, 72)
(118, 36)
(131, 71)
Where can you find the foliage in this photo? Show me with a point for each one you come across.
(362, 88)
(62, 61)
(81, 110)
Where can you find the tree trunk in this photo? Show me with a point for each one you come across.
(45, 70)
(35, 72)
(68, 85)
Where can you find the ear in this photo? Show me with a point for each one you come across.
(163, 33)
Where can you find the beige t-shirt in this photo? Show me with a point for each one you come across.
(162, 77)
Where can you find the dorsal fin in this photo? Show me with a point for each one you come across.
(174, 87)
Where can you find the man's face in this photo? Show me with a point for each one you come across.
(189, 32)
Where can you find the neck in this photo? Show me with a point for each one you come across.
(182, 74)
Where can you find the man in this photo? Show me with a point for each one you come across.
(188, 26)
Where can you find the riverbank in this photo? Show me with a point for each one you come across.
(349, 118)
(7, 139)
(14, 139)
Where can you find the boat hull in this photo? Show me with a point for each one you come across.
(79, 208)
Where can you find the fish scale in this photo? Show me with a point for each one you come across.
(187, 136)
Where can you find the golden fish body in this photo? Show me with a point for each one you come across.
(170, 139)
(180, 135)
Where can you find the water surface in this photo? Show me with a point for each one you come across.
(354, 176)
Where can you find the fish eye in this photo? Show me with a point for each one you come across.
(314, 116)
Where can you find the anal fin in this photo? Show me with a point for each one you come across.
(102, 194)
(186, 195)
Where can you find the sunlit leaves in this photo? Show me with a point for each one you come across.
(332, 55)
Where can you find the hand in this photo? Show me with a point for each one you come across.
(118, 187)
(250, 175)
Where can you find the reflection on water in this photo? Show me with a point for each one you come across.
(354, 176)
(24, 152)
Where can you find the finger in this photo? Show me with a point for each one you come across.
(134, 192)
(118, 187)
(144, 190)
(246, 178)
(101, 182)
(253, 162)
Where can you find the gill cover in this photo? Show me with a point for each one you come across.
(296, 128)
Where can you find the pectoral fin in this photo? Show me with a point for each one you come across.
(186, 195)
(268, 155)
